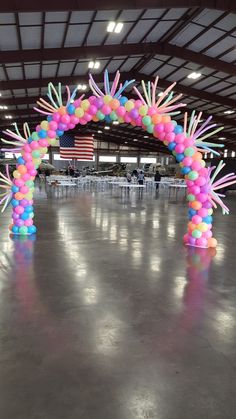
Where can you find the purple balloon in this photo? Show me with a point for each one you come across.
(134, 113)
(24, 202)
(98, 103)
(15, 216)
(19, 223)
(192, 241)
(207, 205)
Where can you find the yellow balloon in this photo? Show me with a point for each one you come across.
(85, 104)
(143, 110)
(203, 163)
(202, 227)
(44, 125)
(29, 196)
(79, 112)
(121, 120)
(16, 174)
(107, 99)
(129, 105)
(210, 211)
(43, 150)
(53, 142)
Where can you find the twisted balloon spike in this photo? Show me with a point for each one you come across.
(149, 98)
(196, 134)
(227, 180)
(6, 185)
(55, 96)
(114, 91)
(17, 140)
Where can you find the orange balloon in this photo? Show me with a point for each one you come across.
(95, 118)
(197, 156)
(62, 110)
(19, 196)
(191, 226)
(166, 118)
(212, 242)
(114, 104)
(156, 119)
(196, 205)
(22, 169)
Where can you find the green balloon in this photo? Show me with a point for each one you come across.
(36, 154)
(23, 230)
(189, 151)
(190, 197)
(192, 175)
(113, 116)
(196, 234)
(29, 183)
(146, 120)
(100, 115)
(150, 128)
(35, 136)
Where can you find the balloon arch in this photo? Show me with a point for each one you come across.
(152, 112)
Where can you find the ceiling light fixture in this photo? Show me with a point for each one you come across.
(94, 64)
(82, 87)
(194, 75)
(8, 116)
(99, 132)
(106, 127)
(3, 107)
(135, 139)
(145, 136)
(115, 122)
(115, 27)
(222, 138)
(228, 112)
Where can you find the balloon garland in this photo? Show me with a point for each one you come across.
(152, 112)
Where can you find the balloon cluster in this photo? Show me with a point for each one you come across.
(151, 112)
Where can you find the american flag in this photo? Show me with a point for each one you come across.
(76, 148)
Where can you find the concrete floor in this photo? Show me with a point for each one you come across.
(107, 316)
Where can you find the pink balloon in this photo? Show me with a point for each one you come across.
(202, 197)
(169, 127)
(202, 242)
(161, 135)
(38, 128)
(26, 177)
(170, 136)
(27, 148)
(53, 125)
(106, 110)
(188, 142)
(196, 219)
(71, 126)
(187, 161)
(92, 110)
(200, 181)
(18, 182)
(138, 103)
(24, 189)
(27, 157)
(83, 121)
(195, 190)
(56, 117)
(121, 111)
(33, 172)
(152, 111)
(203, 171)
(74, 120)
(34, 145)
(43, 142)
(51, 134)
(19, 209)
(159, 127)
(179, 138)
(28, 222)
(179, 148)
(30, 165)
(127, 118)
(196, 165)
(207, 234)
(87, 117)
(65, 119)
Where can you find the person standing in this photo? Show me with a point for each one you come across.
(157, 179)
(141, 177)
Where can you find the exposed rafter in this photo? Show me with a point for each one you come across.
(99, 51)
(70, 5)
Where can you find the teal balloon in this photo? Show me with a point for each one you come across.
(150, 128)
(192, 175)
(190, 197)
(196, 234)
(189, 151)
(23, 230)
(35, 136)
(100, 115)
(113, 116)
(146, 120)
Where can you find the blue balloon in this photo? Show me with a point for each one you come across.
(32, 229)
(192, 212)
(185, 170)
(179, 157)
(59, 132)
(123, 100)
(24, 216)
(30, 140)
(42, 133)
(178, 129)
(20, 160)
(207, 219)
(172, 146)
(71, 109)
(14, 202)
(15, 229)
(29, 208)
(49, 118)
(15, 189)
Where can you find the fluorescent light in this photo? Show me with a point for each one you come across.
(107, 159)
(148, 160)
(145, 136)
(94, 64)
(222, 138)
(99, 132)
(115, 122)
(82, 87)
(135, 139)
(228, 112)
(115, 27)
(0, 94)
(3, 107)
(128, 159)
(194, 75)
(111, 26)
(106, 127)
(233, 154)
(119, 27)
(8, 116)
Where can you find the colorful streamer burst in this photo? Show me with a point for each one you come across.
(227, 180)
(17, 140)
(55, 96)
(6, 185)
(164, 103)
(113, 91)
(197, 134)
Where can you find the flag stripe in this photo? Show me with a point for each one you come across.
(79, 147)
